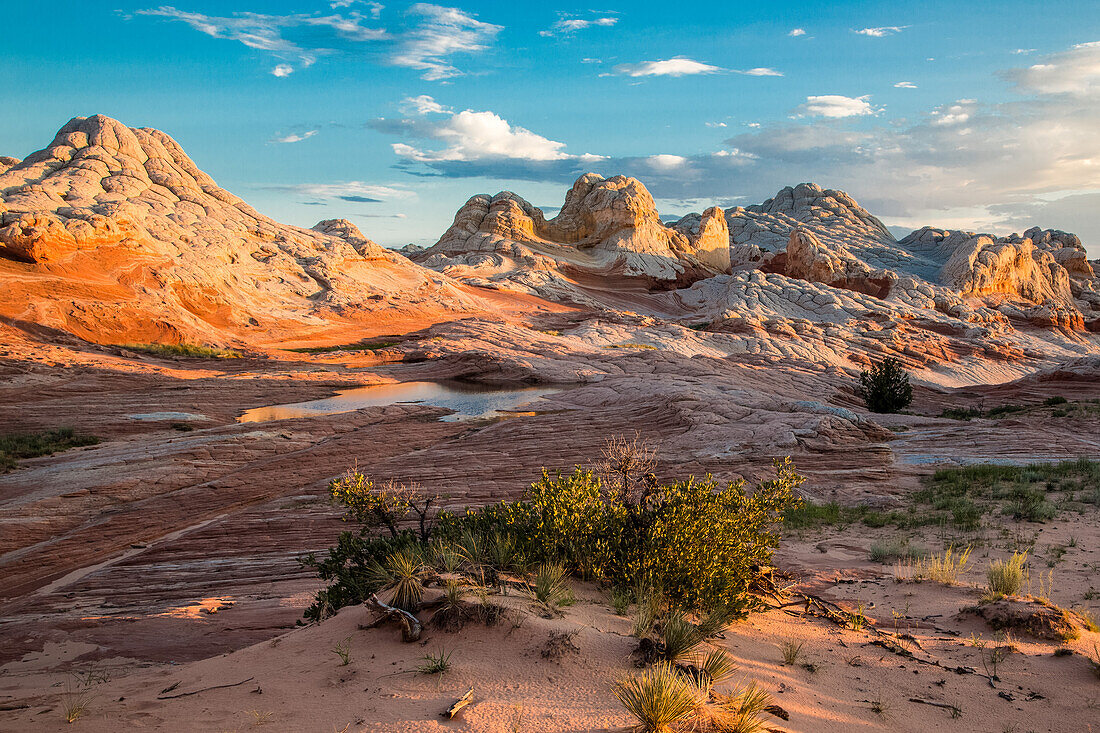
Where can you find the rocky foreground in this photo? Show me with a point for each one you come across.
(727, 339)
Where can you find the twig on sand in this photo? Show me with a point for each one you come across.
(205, 689)
(955, 712)
(410, 625)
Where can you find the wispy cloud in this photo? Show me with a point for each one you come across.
(352, 191)
(568, 24)
(759, 71)
(441, 33)
(715, 124)
(836, 106)
(678, 66)
(1073, 73)
(433, 34)
(295, 137)
(422, 105)
(796, 32)
(905, 85)
(886, 30)
(269, 32)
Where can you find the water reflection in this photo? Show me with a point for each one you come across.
(467, 400)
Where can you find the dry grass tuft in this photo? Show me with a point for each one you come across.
(1006, 577)
(945, 568)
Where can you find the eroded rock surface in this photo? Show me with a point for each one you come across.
(114, 234)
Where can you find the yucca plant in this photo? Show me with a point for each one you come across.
(549, 587)
(658, 697)
(448, 558)
(502, 550)
(649, 607)
(741, 711)
(717, 667)
(681, 638)
(405, 567)
(716, 621)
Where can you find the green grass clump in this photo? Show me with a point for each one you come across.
(549, 586)
(189, 351)
(16, 446)
(364, 345)
(892, 550)
(1006, 577)
(437, 663)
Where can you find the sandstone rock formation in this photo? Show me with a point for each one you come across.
(114, 234)
(606, 227)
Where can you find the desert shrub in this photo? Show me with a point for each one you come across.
(16, 446)
(1002, 410)
(701, 543)
(352, 570)
(385, 506)
(1056, 400)
(885, 386)
(961, 413)
(1006, 577)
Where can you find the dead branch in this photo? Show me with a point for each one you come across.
(459, 704)
(410, 625)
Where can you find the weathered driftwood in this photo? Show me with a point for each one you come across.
(410, 625)
(459, 704)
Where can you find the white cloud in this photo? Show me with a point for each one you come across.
(665, 161)
(567, 24)
(282, 70)
(953, 114)
(375, 7)
(294, 137)
(836, 106)
(905, 85)
(886, 30)
(1074, 73)
(678, 66)
(1024, 51)
(759, 71)
(422, 105)
(796, 32)
(715, 124)
(473, 136)
(441, 33)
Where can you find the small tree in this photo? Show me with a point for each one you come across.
(385, 506)
(885, 386)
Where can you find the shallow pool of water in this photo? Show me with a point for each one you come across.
(468, 401)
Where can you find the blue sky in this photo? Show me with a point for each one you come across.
(979, 115)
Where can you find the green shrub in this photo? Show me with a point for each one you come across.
(1056, 400)
(700, 542)
(961, 413)
(16, 446)
(885, 386)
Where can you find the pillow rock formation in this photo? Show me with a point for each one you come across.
(607, 228)
(114, 234)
